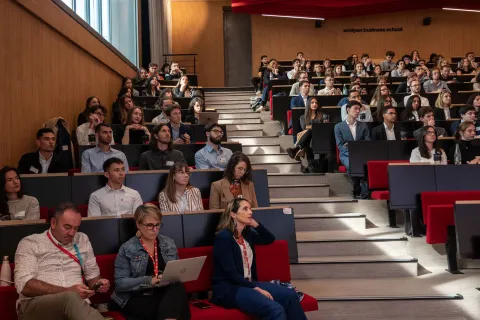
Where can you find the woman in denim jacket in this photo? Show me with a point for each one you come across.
(138, 271)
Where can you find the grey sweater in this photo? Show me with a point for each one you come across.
(26, 207)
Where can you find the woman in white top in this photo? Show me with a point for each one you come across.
(400, 71)
(178, 195)
(14, 204)
(427, 147)
(359, 72)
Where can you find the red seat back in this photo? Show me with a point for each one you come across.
(83, 208)
(289, 118)
(206, 203)
(445, 197)
(72, 171)
(44, 212)
(204, 281)
(378, 173)
(106, 263)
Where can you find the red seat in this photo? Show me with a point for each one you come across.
(133, 168)
(341, 168)
(72, 171)
(44, 213)
(83, 208)
(445, 197)
(378, 178)
(206, 203)
(270, 97)
(289, 118)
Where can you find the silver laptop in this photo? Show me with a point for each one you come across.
(182, 270)
(207, 117)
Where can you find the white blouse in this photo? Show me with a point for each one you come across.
(415, 157)
(246, 268)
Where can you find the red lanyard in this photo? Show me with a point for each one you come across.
(241, 242)
(154, 260)
(77, 259)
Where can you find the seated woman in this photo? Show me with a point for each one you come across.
(443, 107)
(411, 109)
(15, 205)
(465, 68)
(138, 271)
(183, 89)
(121, 108)
(427, 147)
(134, 130)
(83, 117)
(234, 282)
(401, 70)
(196, 106)
(474, 100)
(140, 78)
(349, 64)
(85, 133)
(178, 195)
(381, 91)
(337, 71)
(128, 83)
(359, 70)
(237, 181)
(151, 90)
(377, 71)
(464, 136)
(308, 66)
(383, 102)
(167, 92)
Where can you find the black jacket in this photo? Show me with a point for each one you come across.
(439, 114)
(468, 150)
(379, 133)
(404, 88)
(182, 130)
(31, 161)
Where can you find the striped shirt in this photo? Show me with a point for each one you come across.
(193, 202)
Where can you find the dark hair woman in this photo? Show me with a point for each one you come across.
(128, 83)
(14, 204)
(427, 147)
(196, 106)
(411, 109)
(464, 137)
(83, 117)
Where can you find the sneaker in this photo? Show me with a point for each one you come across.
(259, 109)
(292, 152)
(300, 154)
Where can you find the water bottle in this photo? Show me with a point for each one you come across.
(5, 273)
(437, 158)
(345, 90)
(458, 155)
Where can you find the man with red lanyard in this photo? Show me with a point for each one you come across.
(56, 271)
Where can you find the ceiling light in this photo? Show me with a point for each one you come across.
(465, 10)
(292, 17)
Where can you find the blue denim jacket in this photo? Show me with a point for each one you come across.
(131, 265)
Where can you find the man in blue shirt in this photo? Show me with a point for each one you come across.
(213, 156)
(93, 159)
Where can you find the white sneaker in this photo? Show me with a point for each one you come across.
(260, 109)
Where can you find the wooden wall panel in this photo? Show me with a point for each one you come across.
(450, 33)
(197, 27)
(44, 75)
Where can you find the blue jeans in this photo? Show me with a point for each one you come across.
(284, 306)
(265, 95)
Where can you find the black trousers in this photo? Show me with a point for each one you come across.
(257, 81)
(169, 302)
(305, 139)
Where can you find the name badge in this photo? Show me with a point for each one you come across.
(169, 163)
(33, 169)
(65, 147)
(222, 160)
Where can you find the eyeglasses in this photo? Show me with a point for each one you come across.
(218, 131)
(431, 133)
(392, 113)
(100, 114)
(151, 226)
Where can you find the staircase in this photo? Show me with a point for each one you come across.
(354, 265)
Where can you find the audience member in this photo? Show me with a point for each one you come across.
(301, 99)
(410, 113)
(292, 74)
(44, 160)
(236, 182)
(377, 71)
(138, 271)
(83, 117)
(213, 156)
(327, 63)
(94, 158)
(183, 89)
(121, 109)
(152, 69)
(115, 199)
(151, 90)
(235, 283)
(405, 87)
(134, 131)
(181, 133)
(128, 83)
(329, 89)
(471, 58)
(415, 90)
(257, 81)
(476, 84)
(271, 73)
(387, 130)
(474, 100)
(165, 70)
(15, 205)
(319, 70)
(467, 114)
(349, 64)
(308, 66)
(140, 78)
(415, 57)
(443, 107)
(178, 195)
(368, 64)
(388, 64)
(336, 71)
(382, 90)
(161, 155)
(353, 87)
(86, 132)
(401, 70)
(426, 116)
(445, 72)
(408, 63)
(163, 103)
(196, 106)
(167, 92)
(427, 149)
(175, 72)
(359, 71)
(56, 271)
(383, 102)
(365, 112)
(464, 136)
(435, 85)
(295, 90)
(465, 68)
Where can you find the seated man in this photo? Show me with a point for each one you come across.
(435, 85)
(93, 159)
(404, 87)
(163, 103)
(86, 132)
(161, 155)
(295, 91)
(365, 111)
(175, 72)
(114, 199)
(423, 73)
(415, 90)
(56, 271)
(181, 133)
(345, 100)
(388, 64)
(301, 100)
(292, 74)
(387, 130)
(426, 116)
(329, 89)
(213, 156)
(467, 113)
(318, 69)
(44, 160)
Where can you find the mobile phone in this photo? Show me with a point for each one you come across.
(201, 305)
(96, 286)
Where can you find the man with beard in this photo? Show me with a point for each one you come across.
(93, 159)
(212, 155)
(161, 155)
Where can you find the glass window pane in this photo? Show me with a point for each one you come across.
(95, 15)
(81, 9)
(69, 3)
(106, 19)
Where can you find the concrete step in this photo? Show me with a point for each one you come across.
(228, 104)
(317, 205)
(270, 128)
(340, 267)
(237, 109)
(296, 178)
(251, 115)
(278, 167)
(254, 141)
(228, 97)
(323, 222)
(349, 243)
(291, 190)
(239, 121)
(261, 149)
(272, 158)
(245, 133)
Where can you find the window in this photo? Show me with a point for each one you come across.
(116, 21)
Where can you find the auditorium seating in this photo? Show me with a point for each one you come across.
(272, 264)
(378, 178)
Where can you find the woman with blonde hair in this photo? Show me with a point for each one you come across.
(138, 272)
(443, 107)
(134, 131)
(234, 282)
(183, 89)
(178, 195)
